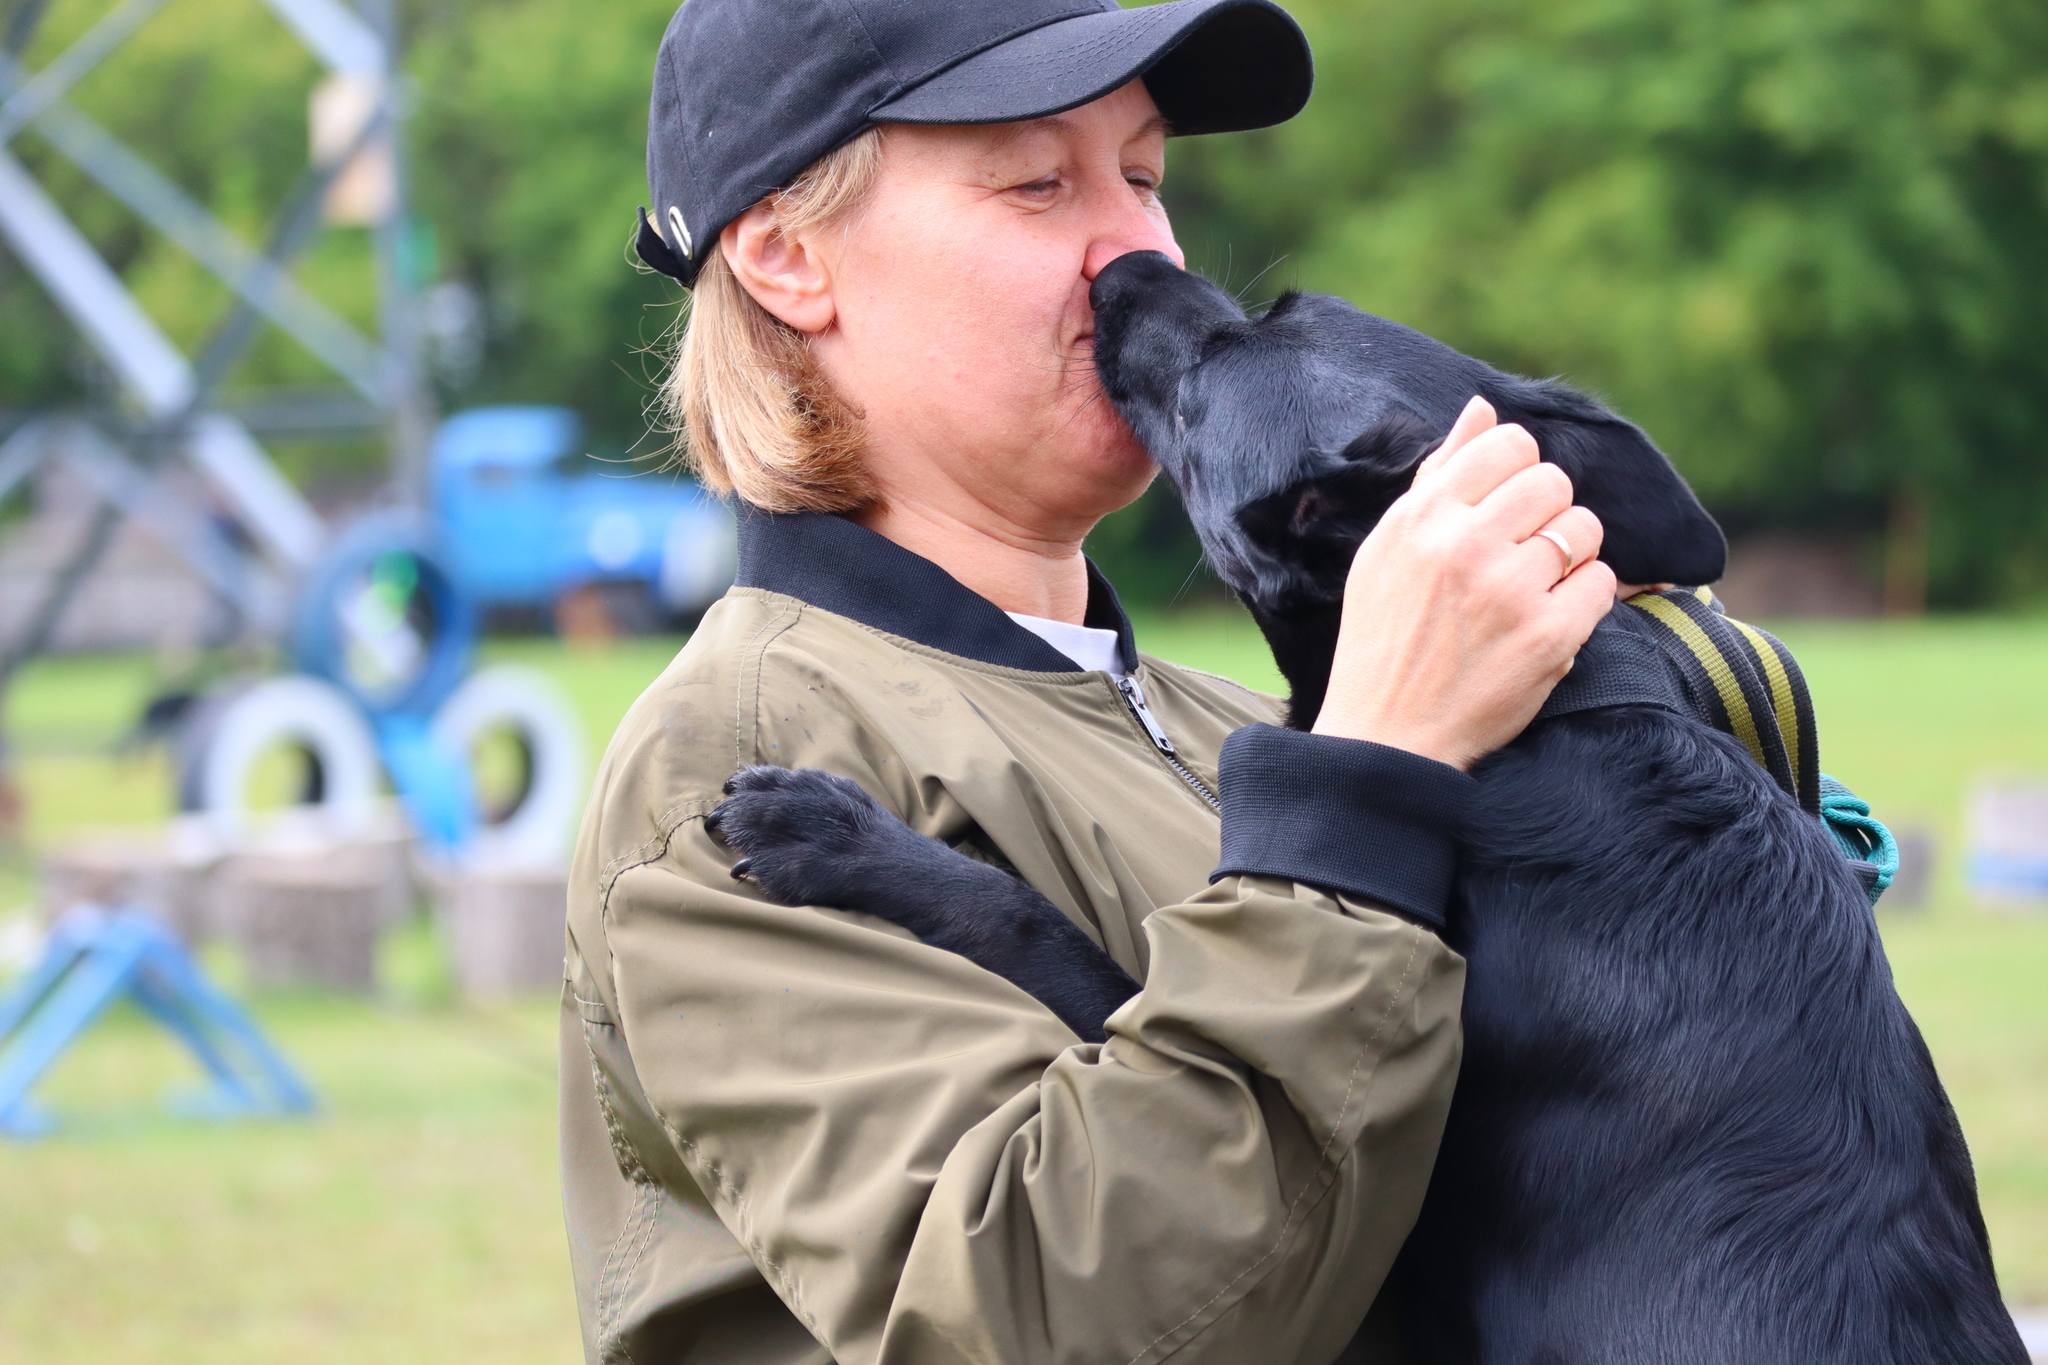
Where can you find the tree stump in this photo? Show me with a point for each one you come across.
(382, 862)
(136, 872)
(504, 930)
(314, 923)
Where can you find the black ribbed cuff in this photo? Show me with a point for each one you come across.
(1343, 814)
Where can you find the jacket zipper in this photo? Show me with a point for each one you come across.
(1134, 697)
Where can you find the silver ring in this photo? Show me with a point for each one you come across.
(1563, 545)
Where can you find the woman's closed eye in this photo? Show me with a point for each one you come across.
(1047, 188)
(1040, 190)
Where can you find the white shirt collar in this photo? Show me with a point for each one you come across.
(1094, 650)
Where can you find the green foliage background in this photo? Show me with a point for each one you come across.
(1801, 241)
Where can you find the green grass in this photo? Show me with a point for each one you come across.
(64, 716)
(417, 1217)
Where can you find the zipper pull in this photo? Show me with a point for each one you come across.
(1134, 697)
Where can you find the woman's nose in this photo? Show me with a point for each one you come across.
(1131, 226)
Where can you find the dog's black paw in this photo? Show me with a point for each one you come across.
(808, 837)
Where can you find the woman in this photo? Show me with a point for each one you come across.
(796, 1135)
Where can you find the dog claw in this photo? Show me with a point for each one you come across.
(711, 825)
(730, 783)
(741, 868)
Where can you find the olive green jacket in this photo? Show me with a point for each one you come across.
(802, 1135)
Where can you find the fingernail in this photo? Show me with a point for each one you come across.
(741, 868)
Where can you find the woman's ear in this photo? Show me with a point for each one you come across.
(784, 274)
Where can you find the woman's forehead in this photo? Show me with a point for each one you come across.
(1121, 118)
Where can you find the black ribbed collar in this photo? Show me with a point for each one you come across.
(845, 568)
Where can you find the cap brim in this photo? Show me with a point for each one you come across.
(1212, 66)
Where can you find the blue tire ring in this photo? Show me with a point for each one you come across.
(319, 638)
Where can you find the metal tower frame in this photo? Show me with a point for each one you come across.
(172, 410)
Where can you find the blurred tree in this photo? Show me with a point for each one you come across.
(529, 141)
(526, 142)
(1801, 241)
(213, 94)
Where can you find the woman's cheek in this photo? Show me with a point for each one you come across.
(1105, 435)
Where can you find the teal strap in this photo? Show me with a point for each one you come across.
(1860, 835)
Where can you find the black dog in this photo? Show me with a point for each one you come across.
(1694, 1122)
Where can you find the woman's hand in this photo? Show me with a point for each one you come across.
(1459, 617)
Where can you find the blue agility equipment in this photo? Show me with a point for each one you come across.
(522, 515)
(390, 617)
(2008, 858)
(2020, 876)
(381, 619)
(384, 622)
(433, 780)
(93, 958)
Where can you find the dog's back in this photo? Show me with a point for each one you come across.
(1694, 1121)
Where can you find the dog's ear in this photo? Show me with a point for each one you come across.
(1317, 524)
(1656, 530)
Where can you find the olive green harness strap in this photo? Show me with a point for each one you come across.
(1676, 650)
(1743, 682)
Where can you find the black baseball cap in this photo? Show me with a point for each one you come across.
(748, 93)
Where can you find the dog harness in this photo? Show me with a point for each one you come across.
(1678, 650)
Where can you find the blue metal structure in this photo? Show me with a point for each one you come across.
(384, 621)
(2016, 876)
(521, 516)
(390, 613)
(95, 957)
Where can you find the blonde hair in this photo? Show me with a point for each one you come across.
(753, 413)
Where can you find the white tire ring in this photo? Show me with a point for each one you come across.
(527, 701)
(293, 709)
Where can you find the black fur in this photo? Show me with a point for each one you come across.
(1694, 1125)
(1288, 435)
(1694, 1121)
(812, 838)
(1238, 409)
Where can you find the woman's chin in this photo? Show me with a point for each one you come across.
(1113, 477)
(1099, 447)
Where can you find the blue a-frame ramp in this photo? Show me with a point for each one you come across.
(94, 957)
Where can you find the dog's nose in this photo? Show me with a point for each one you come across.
(1133, 271)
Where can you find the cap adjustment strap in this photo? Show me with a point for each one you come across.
(649, 245)
(682, 233)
